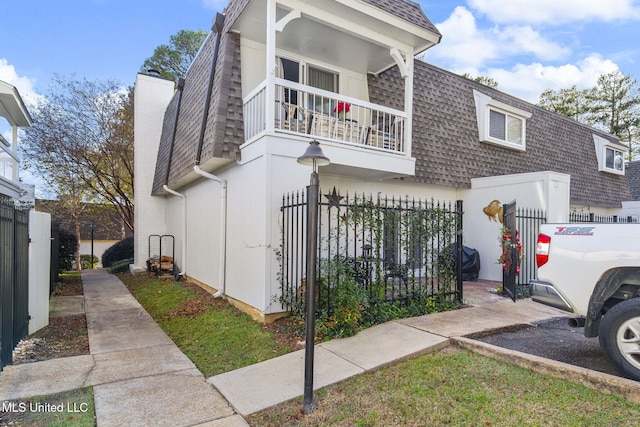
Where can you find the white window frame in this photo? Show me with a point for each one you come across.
(602, 145)
(304, 66)
(484, 105)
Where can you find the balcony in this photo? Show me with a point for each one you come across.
(341, 120)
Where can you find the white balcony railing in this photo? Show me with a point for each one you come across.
(305, 110)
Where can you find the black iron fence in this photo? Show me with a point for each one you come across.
(14, 279)
(395, 249)
(601, 218)
(528, 224)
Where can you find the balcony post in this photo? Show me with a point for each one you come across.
(408, 104)
(271, 66)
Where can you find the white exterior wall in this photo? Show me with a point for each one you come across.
(99, 246)
(152, 95)
(632, 209)
(39, 269)
(540, 190)
(279, 156)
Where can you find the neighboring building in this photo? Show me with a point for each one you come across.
(633, 175)
(108, 228)
(14, 113)
(631, 209)
(273, 75)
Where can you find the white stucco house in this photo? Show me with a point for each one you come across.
(215, 153)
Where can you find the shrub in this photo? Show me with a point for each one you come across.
(120, 266)
(67, 250)
(120, 251)
(85, 261)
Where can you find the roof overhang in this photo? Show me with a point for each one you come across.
(347, 33)
(9, 188)
(12, 107)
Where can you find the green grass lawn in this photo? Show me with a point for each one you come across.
(454, 388)
(213, 334)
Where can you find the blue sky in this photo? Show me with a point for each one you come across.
(526, 45)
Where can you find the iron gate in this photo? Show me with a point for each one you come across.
(14, 279)
(510, 250)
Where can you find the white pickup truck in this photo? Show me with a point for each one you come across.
(593, 271)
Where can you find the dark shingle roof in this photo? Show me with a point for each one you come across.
(408, 10)
(633, 175)
(448, 150)
(224, 131)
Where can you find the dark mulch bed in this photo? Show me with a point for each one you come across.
(63, 337)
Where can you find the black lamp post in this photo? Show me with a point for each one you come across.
(314, 157)
(92, 226)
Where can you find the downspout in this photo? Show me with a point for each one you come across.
(184, 223)
(217, 27)
(223, 228)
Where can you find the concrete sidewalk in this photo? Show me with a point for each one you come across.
(139, 376)
(265, 384)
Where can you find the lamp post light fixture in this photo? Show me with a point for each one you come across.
(92, 226)
(314, 157)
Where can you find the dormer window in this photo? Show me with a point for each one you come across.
(500, 123)
(610, 156)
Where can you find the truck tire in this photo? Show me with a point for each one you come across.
(620, 336)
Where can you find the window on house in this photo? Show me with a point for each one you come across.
(610, 155)
(310, 75)
(505, 127)
(500, 123)
(321, 79)
(614, 159)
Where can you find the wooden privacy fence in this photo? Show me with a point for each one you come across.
(395, 248)
(14, 279)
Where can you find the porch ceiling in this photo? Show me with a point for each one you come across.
(335, 33)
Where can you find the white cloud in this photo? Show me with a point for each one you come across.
(524, 39)
(24, 84)
(466, 47)
(554, 12)
(528, 81)
(463, 45)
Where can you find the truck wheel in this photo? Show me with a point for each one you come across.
(620, 336)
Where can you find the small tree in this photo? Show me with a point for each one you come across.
(81, 142)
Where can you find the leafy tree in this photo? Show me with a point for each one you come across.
(487, 81)
(572, 102)
(81, 142)
(612, 105)
(173, 60)
(616, 107)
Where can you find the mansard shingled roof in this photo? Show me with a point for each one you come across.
(633, 175)
(224, 125)
(448, 150)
